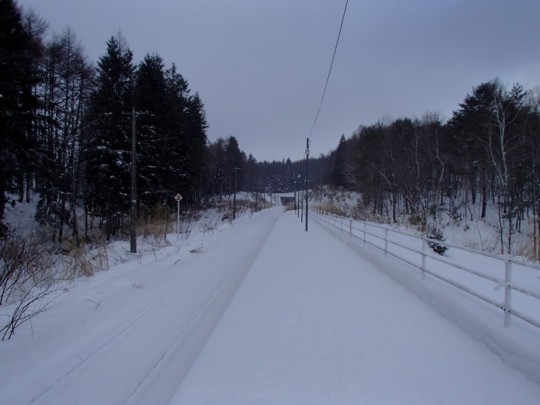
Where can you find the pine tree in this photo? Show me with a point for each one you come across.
(177, 98)
(107, 154)
(196, 157)
(218, 168)
(235, 163)
(338, 170)
(153, 133)
(18, 75)
(172, 134)
(252, 174)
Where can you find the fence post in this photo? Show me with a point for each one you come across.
(422, 273)
(365, 225)
(507, 291)
(386, 241)
(350, 227)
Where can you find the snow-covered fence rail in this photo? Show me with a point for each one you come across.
(501, 281)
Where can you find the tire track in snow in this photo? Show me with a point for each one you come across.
(208, 314)
(112, 341)
(163, 379)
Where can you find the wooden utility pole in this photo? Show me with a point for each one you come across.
(133, 204)
(307, 198)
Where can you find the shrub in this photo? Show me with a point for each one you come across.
(435, 233)
(26, 282)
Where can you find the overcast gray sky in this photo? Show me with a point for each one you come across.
(260, 65)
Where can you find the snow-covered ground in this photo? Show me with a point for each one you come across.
(130, 334)
(462, 225)
(262, 312)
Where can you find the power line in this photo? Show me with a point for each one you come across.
(329, 70)
(319, 109)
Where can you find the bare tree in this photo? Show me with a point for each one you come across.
(26, 284)
(504, 145)
(533, 148)
(65, 92)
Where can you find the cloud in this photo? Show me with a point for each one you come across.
(260, 66)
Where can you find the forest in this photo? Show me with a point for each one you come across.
(68, 129)
(487, 153)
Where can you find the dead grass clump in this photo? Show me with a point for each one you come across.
(154, 223)
(330, 208)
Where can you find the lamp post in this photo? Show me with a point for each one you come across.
(307, 198)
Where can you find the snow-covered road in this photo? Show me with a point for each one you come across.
(260, 312)
(315, 323)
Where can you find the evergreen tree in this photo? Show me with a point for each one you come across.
(177, 96)
(196, 158)
(235, 163)
(338, 170)
(154, 146)
(251, 180)
(467, 129)
(218, 168)
(18, 75)
(107, 154)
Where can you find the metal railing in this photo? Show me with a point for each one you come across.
(497, 269)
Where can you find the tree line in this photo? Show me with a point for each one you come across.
(281, 176)
(67, 127)
(487, 153)
(66, 130)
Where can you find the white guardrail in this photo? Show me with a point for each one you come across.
(502, 281)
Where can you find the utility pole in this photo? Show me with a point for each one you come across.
(234, 198)
(133, 205)
(256, 193)
(299, 185)
(307, 198)
(294, 204)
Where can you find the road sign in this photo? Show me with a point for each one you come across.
(178, 197)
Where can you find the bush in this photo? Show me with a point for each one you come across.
(435, 233)
(415, 220)
(26, 283)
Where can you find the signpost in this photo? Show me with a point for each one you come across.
(178, 198)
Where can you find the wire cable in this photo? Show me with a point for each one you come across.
(329, 70)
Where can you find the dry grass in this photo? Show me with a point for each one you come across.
(330, 208)
(82, 260)
(155, 223)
